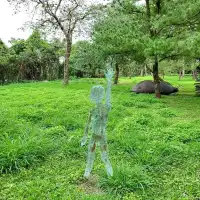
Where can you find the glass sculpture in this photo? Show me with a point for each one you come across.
(97, 122)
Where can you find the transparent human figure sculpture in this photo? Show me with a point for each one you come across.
(97, 122)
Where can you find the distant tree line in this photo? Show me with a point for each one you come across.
(31, 59)
(38, 59)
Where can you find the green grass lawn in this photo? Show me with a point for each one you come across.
(154, 145)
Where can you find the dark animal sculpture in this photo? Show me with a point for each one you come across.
(149, 87)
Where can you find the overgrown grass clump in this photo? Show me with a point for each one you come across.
(154, 145)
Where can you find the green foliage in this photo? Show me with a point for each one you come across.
(31, 59)
(4, 58)
(3, 53)
(119, 33)
(87, 59)
(154, 144)
(148, 31)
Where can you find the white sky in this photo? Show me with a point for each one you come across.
(10, 23)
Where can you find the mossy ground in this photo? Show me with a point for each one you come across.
(154, 145)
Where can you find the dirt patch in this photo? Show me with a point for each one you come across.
(90, 185)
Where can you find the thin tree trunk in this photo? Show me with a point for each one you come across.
(180, 75)
(153, 34)
(116, 74)
(130, 75)
(41, 73)
(163, 74)
(156, 78)
(48, 73)
(57, 72)
(66, 66)
(183, 73)
(195, 77)
(20, 75)
(145, 70)
(2, 79)
(142, 72)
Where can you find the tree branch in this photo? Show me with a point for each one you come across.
(50, 12)
(187, 21)
(132, 10)
(170, 56)
(57, 7)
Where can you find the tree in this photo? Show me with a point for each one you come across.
(35, 58)
(91, 59)
(120, 61)
(17, 48)
(152, 31)
(4, 57)
(62, 16)
(87, 58)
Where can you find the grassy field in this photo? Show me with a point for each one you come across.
(154, 145)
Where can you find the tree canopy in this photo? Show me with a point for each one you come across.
(31, 59)
(136, 35)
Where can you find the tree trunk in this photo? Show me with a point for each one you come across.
(116, 74)
(48, 73)
(130, 75)
(145, 70)
(180, 75)
(66, 66)
(142, 72)
(57, 72)
(21, 72)
(195, 77)
(2, 79)
(156, 78)
(163, 74)
(41, 73)
(183, 73)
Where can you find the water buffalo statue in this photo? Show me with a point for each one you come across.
(149, 87)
